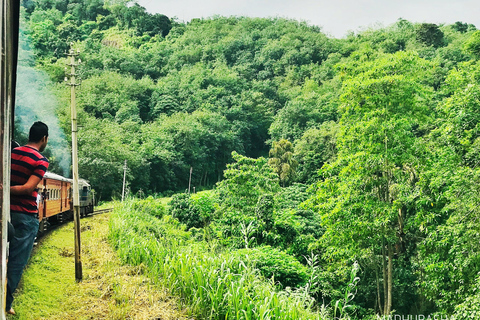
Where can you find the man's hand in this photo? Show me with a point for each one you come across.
(27, 188)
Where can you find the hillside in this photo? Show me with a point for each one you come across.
(356, 150)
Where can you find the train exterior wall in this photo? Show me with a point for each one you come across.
(56, 200)
(53, 203)
(66, 196)
(54, 196)
(9, 22)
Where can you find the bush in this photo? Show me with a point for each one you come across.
(195, 211)
(204, 204)
(264, 211)
(277, 264)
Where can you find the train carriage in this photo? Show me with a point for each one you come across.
(55, 199)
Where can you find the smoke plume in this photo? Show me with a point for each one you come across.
(36, 102)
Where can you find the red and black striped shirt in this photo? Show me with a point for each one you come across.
(26, 161)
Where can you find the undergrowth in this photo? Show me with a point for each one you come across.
(211, 282)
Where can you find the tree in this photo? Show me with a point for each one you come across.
(367, 195)
(282, 160)
(246, 180)
(103, 147)
(430, 34)
(315, 148)
(472, 45)
(449, 253)
(314, 105)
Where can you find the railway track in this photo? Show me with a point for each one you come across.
(50, 227)
(102, 211)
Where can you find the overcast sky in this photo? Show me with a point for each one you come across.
(335, 17)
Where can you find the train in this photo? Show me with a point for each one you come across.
(55, 204)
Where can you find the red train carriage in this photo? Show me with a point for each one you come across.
(54, 199)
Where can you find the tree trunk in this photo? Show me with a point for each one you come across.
(385, 278)
(380, 307)
(390, 278)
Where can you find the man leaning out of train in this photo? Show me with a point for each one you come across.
(28, 169)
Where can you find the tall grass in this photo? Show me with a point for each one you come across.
(212, 283)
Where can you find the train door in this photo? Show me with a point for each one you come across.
(9, 21)
(41, 199)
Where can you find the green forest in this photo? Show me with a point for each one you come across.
(347, 167)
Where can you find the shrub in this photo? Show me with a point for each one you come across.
(181, 209)
(277, 264)
(264, 211)
(204, 204)
(195, 211)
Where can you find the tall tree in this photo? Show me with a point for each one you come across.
(367, 194)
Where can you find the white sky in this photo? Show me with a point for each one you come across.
(335, 17)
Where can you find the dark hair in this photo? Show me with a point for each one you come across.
(37, 131)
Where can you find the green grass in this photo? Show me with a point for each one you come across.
(49, 275)
(109, 290)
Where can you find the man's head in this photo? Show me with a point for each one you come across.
(39, 134)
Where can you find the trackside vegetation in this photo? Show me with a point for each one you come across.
(213, 283)
(109, 289)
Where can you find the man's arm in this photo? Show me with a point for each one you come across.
(27, 188)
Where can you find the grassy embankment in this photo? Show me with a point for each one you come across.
(213, 282)
(109, 290)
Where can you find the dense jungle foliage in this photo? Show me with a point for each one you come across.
(323, 152)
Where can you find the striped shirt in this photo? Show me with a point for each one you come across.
(26, 161)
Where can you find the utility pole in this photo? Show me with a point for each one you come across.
(190, 180)
(124, 174)
(76, 199)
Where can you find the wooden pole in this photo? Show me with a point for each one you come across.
(190, 180)
(76, 199)
(124, 175)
